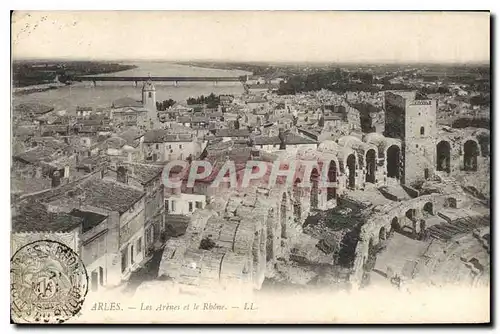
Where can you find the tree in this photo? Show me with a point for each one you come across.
(162, 106)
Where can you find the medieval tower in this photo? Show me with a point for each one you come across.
(413, 120)
(149, 96)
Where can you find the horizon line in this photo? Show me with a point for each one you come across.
(232, 61)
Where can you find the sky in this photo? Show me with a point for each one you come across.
(312, 36)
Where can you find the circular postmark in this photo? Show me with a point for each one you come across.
(48, 283)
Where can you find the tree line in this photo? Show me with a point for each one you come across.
(212, 101)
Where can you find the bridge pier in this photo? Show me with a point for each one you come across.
(215, 83)
(176, 83)
(94, 83)
(135, 83)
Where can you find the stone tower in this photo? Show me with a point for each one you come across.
(413, 120)
(149, 96)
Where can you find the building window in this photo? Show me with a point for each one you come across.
(190, 206)
(150, 95)
(172, 205)
(101, 276)
(152, 232)
(422, 130)
(124, 260)
(157, 146)
(139, 245)
(93, 280)
(180, 146)
(132, 254)
(199, 205)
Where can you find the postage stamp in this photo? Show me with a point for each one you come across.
(48, 283)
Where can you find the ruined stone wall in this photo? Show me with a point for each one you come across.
(456, 139)
(234, 240)
(394, 115)
(379, 224)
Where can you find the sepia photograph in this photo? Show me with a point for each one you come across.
(250, 167)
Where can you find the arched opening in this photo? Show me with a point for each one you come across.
(283, 216)
(428, 208)
(351, 170)
(443, 151)
(372, 256)
(410, 214)
(484, 142)
(471, 152)
(395, 226)
(121, 174)
(262, 254)
(255, 256)
(422, 130)
(371, 246)
(382, 234)
(297, 210)
(451, 202)
(371, 164)
(393, 160)
(314, 188)
(270, 237)
(332, 177)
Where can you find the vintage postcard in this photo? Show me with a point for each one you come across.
(253, 167)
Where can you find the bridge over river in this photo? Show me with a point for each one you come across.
(174, 80)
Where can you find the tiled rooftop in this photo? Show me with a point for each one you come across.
(34, 217)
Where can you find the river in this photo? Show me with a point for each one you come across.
(84, 94)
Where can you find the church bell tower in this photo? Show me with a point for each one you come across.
(149, 96)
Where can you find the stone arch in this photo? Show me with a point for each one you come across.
(332, 177)
(270, 236)
(429, 208)
(351, 170)
(471, 152)
(393, 160)
(283, 215)
(443, 159)
(371, 165)
(314, 188)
